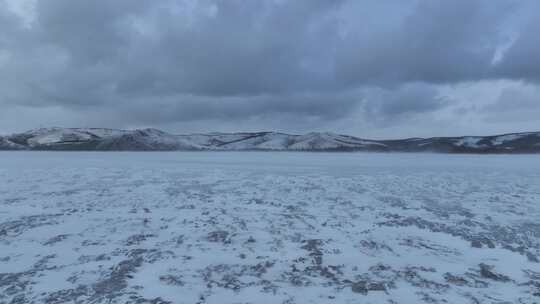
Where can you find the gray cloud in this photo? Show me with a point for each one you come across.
(416, 98)
(189, 108)
(437, 42)
(521, 60)
(515, 104)
(174, 61)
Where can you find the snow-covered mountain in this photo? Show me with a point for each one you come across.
(99, 139)
(6, 144)
(156, 140)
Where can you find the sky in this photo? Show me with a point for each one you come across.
(371, 68)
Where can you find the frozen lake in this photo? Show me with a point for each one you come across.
(262, 227)
(270, 161)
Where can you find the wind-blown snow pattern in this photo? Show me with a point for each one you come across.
(240, 227)
(93, 139)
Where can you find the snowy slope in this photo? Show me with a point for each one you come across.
(6, 144)
(260, 141)
(280, 141)
(100, 139)
(470, 141)
(51, 137)
(331, 141)
(146, 140)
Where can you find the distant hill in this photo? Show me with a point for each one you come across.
(95, 139)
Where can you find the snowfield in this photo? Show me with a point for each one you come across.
(268, 227)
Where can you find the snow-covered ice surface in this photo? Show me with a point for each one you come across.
(268, 227)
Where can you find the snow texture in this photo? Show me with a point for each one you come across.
(240, 227)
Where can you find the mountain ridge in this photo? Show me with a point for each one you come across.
(151, 139)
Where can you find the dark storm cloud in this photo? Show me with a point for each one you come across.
(411, 98)
(438, 42)
(246, 48)
(180, 60)
(229, 48)
(522, 60)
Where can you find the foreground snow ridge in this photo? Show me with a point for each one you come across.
(94, 139)
(268, 228)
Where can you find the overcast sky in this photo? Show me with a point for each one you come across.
(375, 69)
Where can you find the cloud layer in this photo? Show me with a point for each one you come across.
(357, 67)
